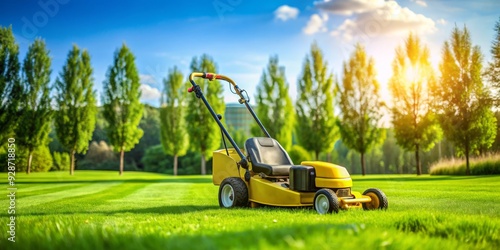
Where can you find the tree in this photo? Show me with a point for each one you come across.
(203, 130)
(34, 122)
(274, 105)
(316, 130)
(174, 137)
(76, 104)
(415, 125)
(10, 82)
(493, 70)
(121, 103)
(463, 102)
(360, 105)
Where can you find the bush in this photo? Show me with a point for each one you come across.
(100, 152)
(61, 161)
(106, 165)
(485, 165)
(155, 160)
(41, 161)
(299, 154)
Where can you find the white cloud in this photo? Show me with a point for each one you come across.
(316, 24)
(388, 19)
(349, 7)
(286, 12)
(149, 93)
(147, 79)
(420, 2)
(442, 21)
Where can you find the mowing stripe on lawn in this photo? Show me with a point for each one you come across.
(55, 196)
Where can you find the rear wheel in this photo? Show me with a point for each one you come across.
(379, 200)
(233, 192)
(326, 201)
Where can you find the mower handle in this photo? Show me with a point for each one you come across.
(211, 77)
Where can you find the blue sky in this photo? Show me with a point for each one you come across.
(241, 34)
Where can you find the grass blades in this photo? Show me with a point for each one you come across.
(484, 165)
(101, 210)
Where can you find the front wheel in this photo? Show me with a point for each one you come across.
(379, 200)
(233, 192)
(326, 201)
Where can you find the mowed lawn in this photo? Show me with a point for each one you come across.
(101, 210)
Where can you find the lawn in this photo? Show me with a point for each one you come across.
(101, 210)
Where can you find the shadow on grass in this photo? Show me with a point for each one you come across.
(169, 180)
(160, 210)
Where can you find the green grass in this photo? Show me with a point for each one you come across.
(484, 165)
(101, 210)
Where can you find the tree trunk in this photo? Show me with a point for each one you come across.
(417, 159)
(30, 157)
(203, 165)
(317, 155)
(363, 169)
(467, 167)
(329, 157)
(175, 164)
(122, 153)
(72, 164)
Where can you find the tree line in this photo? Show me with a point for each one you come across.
(456, 101)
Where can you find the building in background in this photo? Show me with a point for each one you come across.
(238, 117)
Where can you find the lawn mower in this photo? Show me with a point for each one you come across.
(263, 173)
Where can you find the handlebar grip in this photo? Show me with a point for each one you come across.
(191, 89)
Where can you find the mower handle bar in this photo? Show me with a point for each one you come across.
(211, 77)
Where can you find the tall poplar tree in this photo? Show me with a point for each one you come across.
(360, 105)
(204, 132)
(10, 82)
(76, 104)
(462, 99)
(34, 123)
(274, 105)
(316, 130)
(174, 137)
(415, 125)
(122, 108)
(493, 69)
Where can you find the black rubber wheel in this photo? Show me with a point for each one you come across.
(233, 192)
(379, 200)
(326, 201)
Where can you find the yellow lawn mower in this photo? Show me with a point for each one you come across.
(263, 174)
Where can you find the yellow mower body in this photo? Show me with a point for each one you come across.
(266, 191)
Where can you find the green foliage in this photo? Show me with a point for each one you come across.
(34, 123)
(174, 137)
(316, 130)
(155, 160)
(239, 136)
(61, 161)
(203, 130)
(150, 125)
(121, 103)
(493, 69)
(42, 159)
(360, 105)
(299, 154)
(76, 103)
(274, 106)
(462, 99)
(10, 82)
(416, 126)
(485, 165)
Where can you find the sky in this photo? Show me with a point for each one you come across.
(241, 35)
